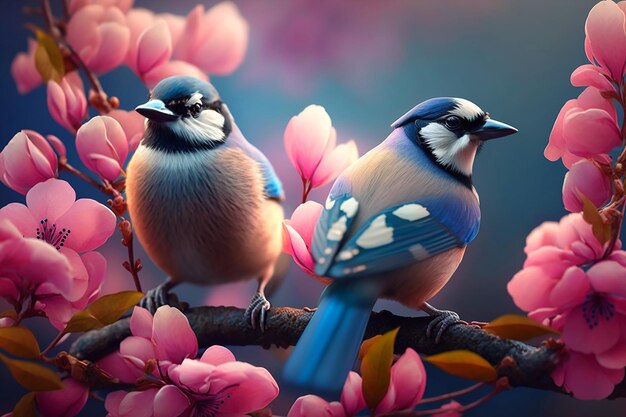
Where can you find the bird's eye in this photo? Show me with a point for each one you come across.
(452, 122)
(195, 109)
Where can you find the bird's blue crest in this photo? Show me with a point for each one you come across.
(431, 109)
(175, 87)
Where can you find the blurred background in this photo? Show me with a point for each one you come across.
(367, 62)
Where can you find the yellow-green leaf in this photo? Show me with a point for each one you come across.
(103, 311)
(514, 326)
(601, 230)
(25, 407)
(464, 364)
(48, 58)
(32, 376)
(367, 344)
(376, 367)
(19, 341)
(8, 313)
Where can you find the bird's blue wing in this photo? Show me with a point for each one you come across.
(403, 235)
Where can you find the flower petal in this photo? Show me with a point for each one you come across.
(172, 335)
(217, 355)
(141, 322)
(170, 402)
(90, 223)
(50, 199)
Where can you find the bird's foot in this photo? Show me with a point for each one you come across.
(309, 309)
(442, 321)
(256, 313)
(160, 296)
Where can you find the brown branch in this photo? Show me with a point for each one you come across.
(522, 364)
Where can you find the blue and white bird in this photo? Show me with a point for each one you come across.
(204, 202)
(395, 225)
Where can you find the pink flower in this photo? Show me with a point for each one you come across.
(24, 71)
(133, 125)
(215, 41)
(606, 38)
(298, 234)
(584, 128)
(102, 146)
(452, 408)
(310, 143)
(585, 178)
(215, 382)
(99, 35)
(26, 160)
(406, 389)
(74, 5)
(66, 402)
(582, 375)
(66, 101)
(72, 227)
(152, 48)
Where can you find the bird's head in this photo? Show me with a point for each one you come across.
(452, 130)
(187, 112)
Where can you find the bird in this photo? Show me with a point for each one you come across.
(395, 225)
(204, 202)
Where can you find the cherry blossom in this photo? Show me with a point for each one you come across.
(585, 178)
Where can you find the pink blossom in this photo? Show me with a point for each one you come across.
(582, 375)
(24, 71)
(74, 5)
(589, 75)
(350, 404)
(298, 234)
(215, 41)
(133, 124)
(606, 38)
(66, 402)
(26, 160)
(585, 178)
(67, 103)
(215, 382)
(99, 35)
(152, 46)
(585, 127)
(310, 143)
(72, 227)
(451, 408)
(102, 146)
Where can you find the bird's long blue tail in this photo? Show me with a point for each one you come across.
(329, 345)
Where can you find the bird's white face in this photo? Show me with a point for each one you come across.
(450, 139)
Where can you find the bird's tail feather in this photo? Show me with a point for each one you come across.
(329, 345)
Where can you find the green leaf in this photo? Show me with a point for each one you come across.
(376, 367)
(103, 311)
(601, 230)
(25, 407)
(32, 376)
(464, 364)
(514, 326)
(48, 58)
(19, 341)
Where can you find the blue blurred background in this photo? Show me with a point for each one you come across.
(367, 62)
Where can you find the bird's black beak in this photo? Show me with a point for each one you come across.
(493, 129)
(156, 110)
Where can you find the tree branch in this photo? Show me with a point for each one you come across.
(524, 365)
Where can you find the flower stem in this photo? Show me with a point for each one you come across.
(65, 166)
(452, 394)
(306, 189)
(53, 343)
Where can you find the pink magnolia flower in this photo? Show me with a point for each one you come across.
(72, 227)
(74, 5)
(605, 43)
(406, 389)
(24, 71)
(582, 375)
(585, 128)
(310, 143)
(298, 234)
(215, 382)
(102, 146)
(67, 103)
(99, 35)
(133, 124)
(28, 159)
(66, 402)
(585, 178)
(152, 48)
(215, 41)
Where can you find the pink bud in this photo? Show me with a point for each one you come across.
(27, 160)
(67, 103)
(176, 25)
(215, 41)
(154, 47)
(74, 5)
(100, 36)
(606, 34)
(24, 71)
(298, 234)
(137, 21)
(310, 144)
(132, 123)
(102, 146)
(585, 178)
(66, 402)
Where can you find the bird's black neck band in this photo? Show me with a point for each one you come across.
(162, 138)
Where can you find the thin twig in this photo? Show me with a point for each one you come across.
(451, 395)
(65, 166)
(53, 343)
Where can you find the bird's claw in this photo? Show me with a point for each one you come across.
(158, 297)
(309, 309)
(442, 320)
(256, 313)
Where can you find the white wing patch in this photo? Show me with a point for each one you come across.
(330, 203)
(338, 229)
(419, 252)
(350, 206)
(411, 212)
(377, 234)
